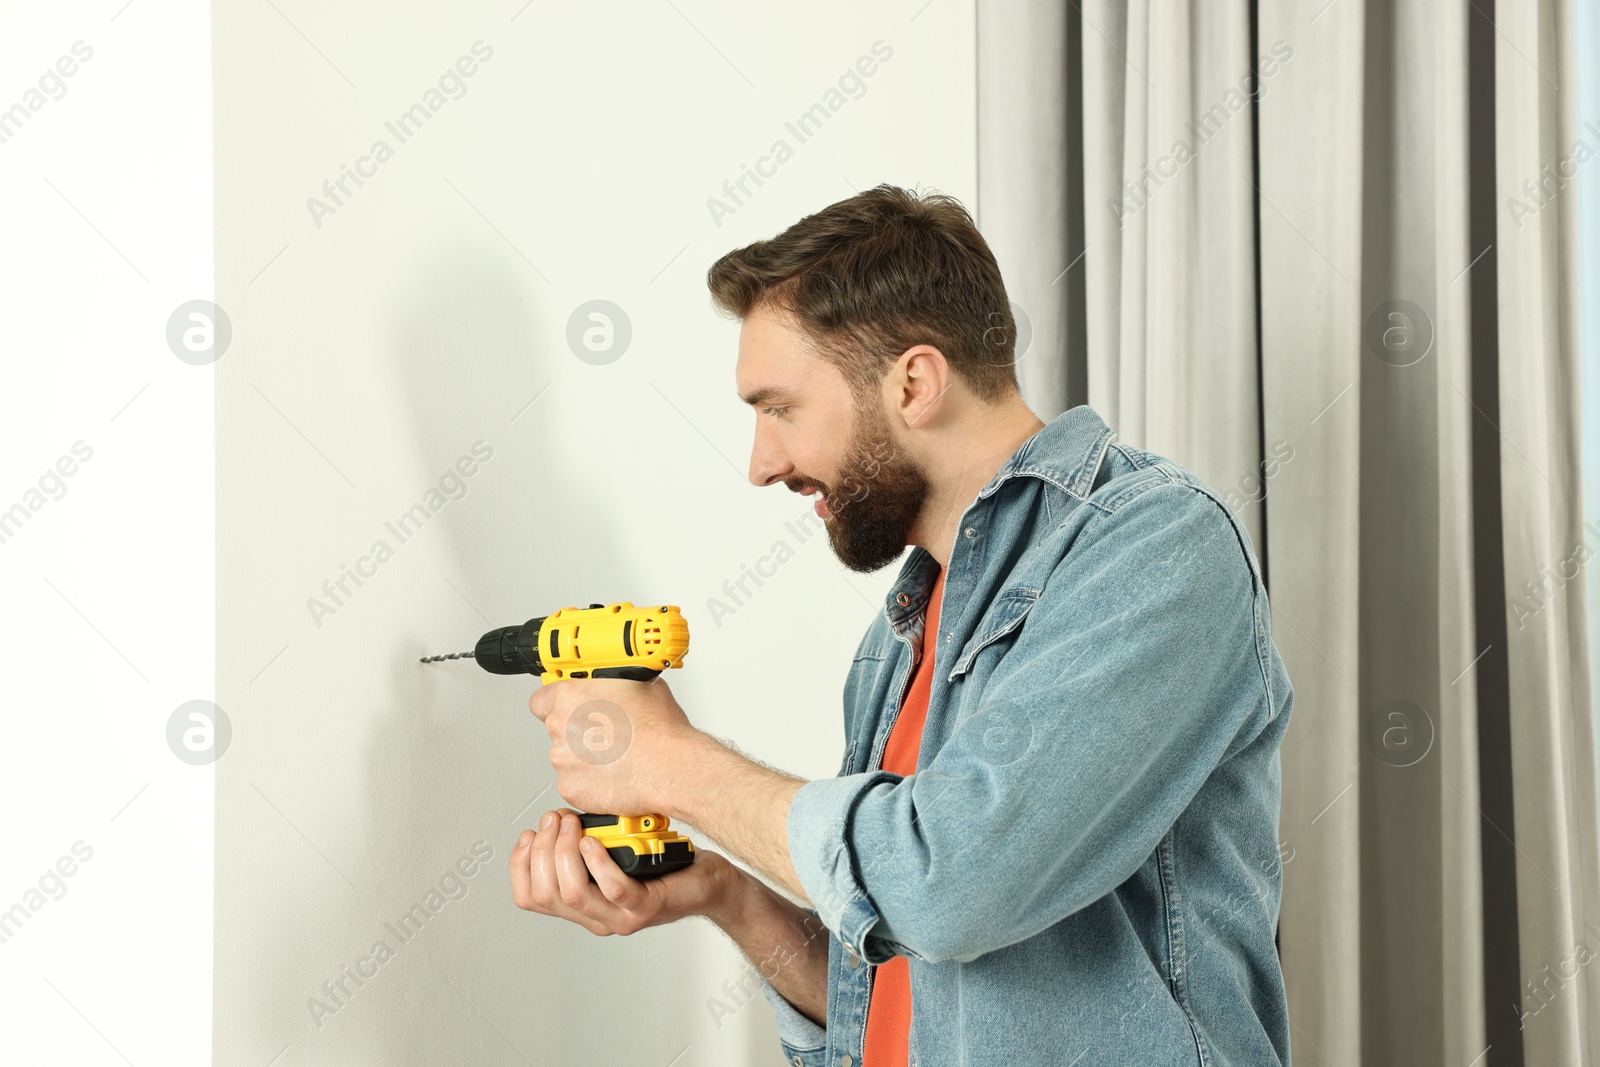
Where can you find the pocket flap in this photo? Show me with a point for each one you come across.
(1003, 616)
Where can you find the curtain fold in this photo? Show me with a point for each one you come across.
(1023, 114)
(1558, 889)
(1170, 234)
(1311, 269)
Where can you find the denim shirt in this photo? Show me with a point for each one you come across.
(1085, 869)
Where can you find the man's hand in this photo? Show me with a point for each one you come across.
(626, 748)
(616, 745)
(550, 874)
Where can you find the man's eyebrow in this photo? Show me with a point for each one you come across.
(766, 392)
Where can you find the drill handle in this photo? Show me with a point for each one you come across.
(633, 673)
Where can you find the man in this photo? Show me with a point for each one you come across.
(1053, 838)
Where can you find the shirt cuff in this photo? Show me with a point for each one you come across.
(825, 863)
(804, 1042)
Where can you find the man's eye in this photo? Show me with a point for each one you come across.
(776, 411)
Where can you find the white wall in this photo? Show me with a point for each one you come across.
(374, 345)
(106, 534)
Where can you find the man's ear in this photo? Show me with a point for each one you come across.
(921, 377)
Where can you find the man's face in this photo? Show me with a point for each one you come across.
(814, 436)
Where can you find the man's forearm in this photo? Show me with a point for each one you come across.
(786, 944)
(741, 805)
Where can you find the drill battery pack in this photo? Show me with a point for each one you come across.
(642, 845)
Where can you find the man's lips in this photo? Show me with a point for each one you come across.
(821, 505)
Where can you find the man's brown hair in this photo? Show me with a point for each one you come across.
(871, 276)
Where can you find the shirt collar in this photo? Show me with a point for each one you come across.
(1066, 452)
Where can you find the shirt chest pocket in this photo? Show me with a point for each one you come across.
(1004, 616)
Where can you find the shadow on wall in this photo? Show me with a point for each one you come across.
(455, 758)
(454, 766)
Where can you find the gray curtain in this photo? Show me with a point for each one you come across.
(1304, 250)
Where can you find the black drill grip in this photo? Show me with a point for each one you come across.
(633, 673)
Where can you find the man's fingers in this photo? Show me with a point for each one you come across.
(542, 706)
(533, 881)
(550, 873)
(577, 891)
(521, 876)
(572, 885)
(541, 859)
(613, 886)
(618, 888)
(543, 888)
(580, 898)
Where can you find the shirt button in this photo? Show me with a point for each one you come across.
(903, 599)
(971, 532)
(855, 961)
(845, 1060)
(797, 1061)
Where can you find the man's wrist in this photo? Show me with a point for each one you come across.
(745, 903)
(698, 759)
(729, 909)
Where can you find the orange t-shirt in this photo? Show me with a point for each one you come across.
(889, 1010)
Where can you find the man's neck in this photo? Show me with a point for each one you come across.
(983, 454)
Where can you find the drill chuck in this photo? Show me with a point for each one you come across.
(511, 649)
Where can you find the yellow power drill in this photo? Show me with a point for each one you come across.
(601, 641)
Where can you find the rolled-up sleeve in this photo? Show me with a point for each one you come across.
(819, 835)
(1135, 674)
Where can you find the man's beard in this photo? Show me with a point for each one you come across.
(880, 493)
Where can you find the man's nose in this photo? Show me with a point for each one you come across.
(767, 462)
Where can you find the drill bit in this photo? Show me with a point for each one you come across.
(453, 655)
